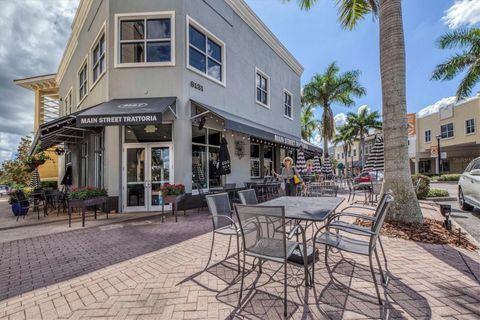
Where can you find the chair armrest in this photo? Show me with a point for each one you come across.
(351, 214)
(224, 217)
(293, 231)
(342, 228)
(359, 207)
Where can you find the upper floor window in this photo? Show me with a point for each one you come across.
(446, 130)
(470, 126)
(82, 82)
(147, 40)
(205, 52)
(98, 58)
(262, 82)
(287, 104)
(428, 136)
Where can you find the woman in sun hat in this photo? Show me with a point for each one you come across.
(288, 173)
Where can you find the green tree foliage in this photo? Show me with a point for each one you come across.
(16, 172)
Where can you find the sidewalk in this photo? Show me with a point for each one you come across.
(428, 282)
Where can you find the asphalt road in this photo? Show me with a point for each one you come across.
(468, 220)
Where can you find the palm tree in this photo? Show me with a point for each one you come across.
(392, 69)
(346, 136)
(467, 61)
(308, 122)
(329, 88)
(361, 123)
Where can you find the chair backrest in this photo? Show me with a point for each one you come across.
(380, 214)
(219, 204)
(229, 186)
(263, 230)
(329, 190)
(248, 196)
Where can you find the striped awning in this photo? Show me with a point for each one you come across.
(376, 159)
(317, 167)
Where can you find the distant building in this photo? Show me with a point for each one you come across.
(456, 127)
(353, 157)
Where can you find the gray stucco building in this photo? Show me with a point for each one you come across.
(149, 88)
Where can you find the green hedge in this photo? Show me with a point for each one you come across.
(449, 177)
(437, 193)
(423, 187)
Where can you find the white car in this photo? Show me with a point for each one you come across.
(3, 190)
(469, 186)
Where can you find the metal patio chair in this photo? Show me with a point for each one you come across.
(202, 195)
(265, 238)
(248, 197)
(223, 223)
(362, 247)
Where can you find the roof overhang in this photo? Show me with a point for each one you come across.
(140, 111)
(43, 82)
(236, 123)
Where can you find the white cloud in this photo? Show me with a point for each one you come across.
(433, 108)
(340, 119)
(461, 13)
(363, 107)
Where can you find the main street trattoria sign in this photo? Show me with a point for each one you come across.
(289, 142)
(103, 120)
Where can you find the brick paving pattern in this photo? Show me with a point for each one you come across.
(428, 281)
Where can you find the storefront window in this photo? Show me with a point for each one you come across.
(99, 149)
(267, 161)
(205, 153)
(149, 133)
(84, 165)
(255, 161)
(425, 166)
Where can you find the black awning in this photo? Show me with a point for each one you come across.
(58, 131)
(236, 123)
(141, 111)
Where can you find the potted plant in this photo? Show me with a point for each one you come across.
(37, 160)
(172, 192)
(19, 203)
(87, 194)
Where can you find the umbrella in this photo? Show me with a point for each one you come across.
(327, 167)
(376, 159)
(35, 180)
(317, 167)
(301, 163)
(67, 178)
(225, 166)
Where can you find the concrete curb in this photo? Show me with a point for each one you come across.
(441, 199)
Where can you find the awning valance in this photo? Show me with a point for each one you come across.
(236, 123)
(141, 111)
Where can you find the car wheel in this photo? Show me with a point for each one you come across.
(461, 201)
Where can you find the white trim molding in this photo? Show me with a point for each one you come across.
(102, 32)
(82, 65)
(291, 104)
(246, 13)
(208, 34)
(144, 15)
(263, 74)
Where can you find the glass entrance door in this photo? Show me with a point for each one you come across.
(147, 167)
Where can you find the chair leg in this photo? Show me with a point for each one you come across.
(285, 288)
(326, 255)
(384, 257)
(374, 278)
(241, 282)
(211, 251)
(229, 244)
(384, 280)
(238, 253)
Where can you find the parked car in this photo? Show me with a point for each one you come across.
(3, 190)
(369, 176)
(469, 186)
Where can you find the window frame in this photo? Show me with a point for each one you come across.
(264, 75)
(84, 159)
(425, 136)
(208, 35)
(474, 127)
(207, 146)
(99, 141)
(145, 16)
(68, 102)
(83, 66)
(453, 131)
(286, 92)
(101, 34)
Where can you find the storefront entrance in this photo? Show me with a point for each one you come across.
(146, 167)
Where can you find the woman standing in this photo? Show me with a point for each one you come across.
(288, 173)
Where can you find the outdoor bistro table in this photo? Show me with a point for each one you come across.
(83, 204)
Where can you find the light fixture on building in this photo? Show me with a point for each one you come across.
(59, 151)
(201, 124)
(151, 128)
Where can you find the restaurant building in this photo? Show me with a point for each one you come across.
(149, 88)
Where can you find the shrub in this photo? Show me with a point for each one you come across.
(450, 177)
(87, 193)
(172, 189)
(437, 193)
(423, 186)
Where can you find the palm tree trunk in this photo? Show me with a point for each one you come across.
(392, 65)
(362, 151)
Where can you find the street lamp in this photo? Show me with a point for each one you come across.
(439, 155)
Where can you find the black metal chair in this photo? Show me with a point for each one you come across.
(361, 247)
(248, 196)
(264, 237)
(202, 195)
(223, 223)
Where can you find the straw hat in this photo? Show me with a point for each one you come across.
(287, 159)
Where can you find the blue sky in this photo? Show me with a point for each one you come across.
(316, 39)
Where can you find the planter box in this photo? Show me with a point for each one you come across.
(173, 200)
(84, 204)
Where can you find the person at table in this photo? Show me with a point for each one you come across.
(287, 175)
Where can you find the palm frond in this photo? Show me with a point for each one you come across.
(471, 78)
(350, 12)
(459, 38)
(453, 66)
